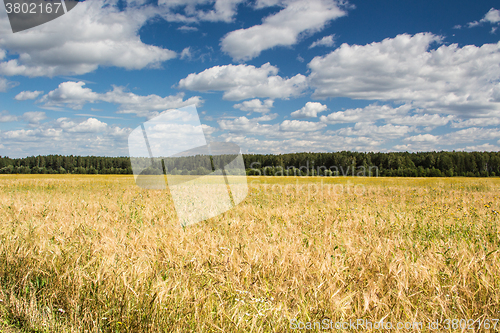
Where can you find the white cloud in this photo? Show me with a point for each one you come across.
(255, 105)
(289, 136)
(3, 84)
(492, 17)
(189, 11)
(243, 125)
(327, 41)
(281, 29)
(224, 10)
(208, 130)
(402, 125)
(74, 95)
(416, 147)
(288, 142)
(6, 85)
(34, 117)
(367, 129)
(186, 28)
(472, 134)
(310, 110)
(448, 79)
(259, 4)
(245, 81)
(488, 121)
(300, 126)
(100, 35)
(422, 138)
(67, 136)
(432, 120)
(266, 117)
(25, 95)
(91, 125)
(369, 113)
(483, 147)
(402, 115)
(6, 117)
(186, 53)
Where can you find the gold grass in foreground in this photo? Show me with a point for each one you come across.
(97, 253)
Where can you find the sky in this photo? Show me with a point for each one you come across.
(273, 76)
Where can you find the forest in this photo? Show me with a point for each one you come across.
(344, 163)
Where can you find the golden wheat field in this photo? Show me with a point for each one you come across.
(99, 254)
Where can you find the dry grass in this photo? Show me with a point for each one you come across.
(98, 254)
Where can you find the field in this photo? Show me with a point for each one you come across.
(99, 254)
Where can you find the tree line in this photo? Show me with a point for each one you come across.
(345, 163)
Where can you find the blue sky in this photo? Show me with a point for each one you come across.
(273, 76)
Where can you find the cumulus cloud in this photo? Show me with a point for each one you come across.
(327, 41)
(3, 84)
(26, 95)
(310, 110)
(75, 95)
(416, 147)
(287, 142)
(492, 17)
(100, 35)
(253, 126)
(70, 93)
(243, 125)
(300, 126)
(449, 79)
(406, 114)
(259, 4)
(429, 120)
(373, 126)
(186, 53)
(422, 138)
(187, 28)
(67, 136)
(194, 11)
(470, 135)
(34, 117)
(488, 121)
(483, 147)
(245, 81)
(370, 113)
(6, 85)
(266, 117)
(367, 129)
(281, 29)
(255, 105)
(91, 125)
(6, 117)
